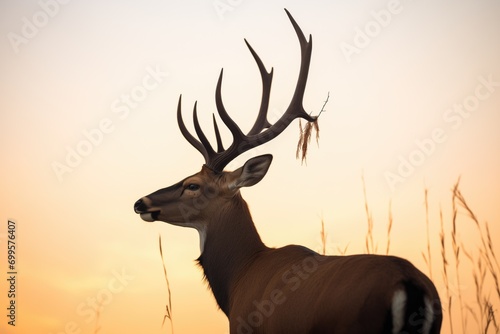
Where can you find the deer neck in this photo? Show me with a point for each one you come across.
(231, 242)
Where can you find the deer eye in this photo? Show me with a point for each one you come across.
(192, 187)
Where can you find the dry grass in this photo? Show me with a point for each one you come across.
(485, 263)
(168, 306)
(456, 253)
(485, 266)
(306, 134)
(97, 326)
(370, 248)
(428, 256)
(323, 237)
(482, 306)
(305, 138)
(389, 228)
(446, 304)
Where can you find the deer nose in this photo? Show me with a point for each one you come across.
(139, 206)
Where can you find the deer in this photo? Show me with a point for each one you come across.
(291, 289)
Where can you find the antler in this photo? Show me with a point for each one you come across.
(262, 131)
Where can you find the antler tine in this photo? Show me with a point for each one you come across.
(298, 31)
(220, 147)
(201, 135)
(233, 127)
(267, 77)
(189, 137)
(295, 108)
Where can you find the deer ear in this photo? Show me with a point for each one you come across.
(251, 173)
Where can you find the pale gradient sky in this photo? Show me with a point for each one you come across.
(76, 232)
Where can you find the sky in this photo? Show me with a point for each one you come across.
(89, 92)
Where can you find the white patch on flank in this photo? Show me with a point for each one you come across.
(398, 311)
(429, 316)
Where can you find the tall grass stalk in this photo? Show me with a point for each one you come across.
(168, 306)
(389, 228)
(370, 249)
(478, 275)
(445, 268)
(428, 258)
(323, 237)
(492, 261)
(97, 326)
(456, 253)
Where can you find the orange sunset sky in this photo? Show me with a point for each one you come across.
(88, 95)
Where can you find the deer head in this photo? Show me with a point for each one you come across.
(193, 200)
(190, 201)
